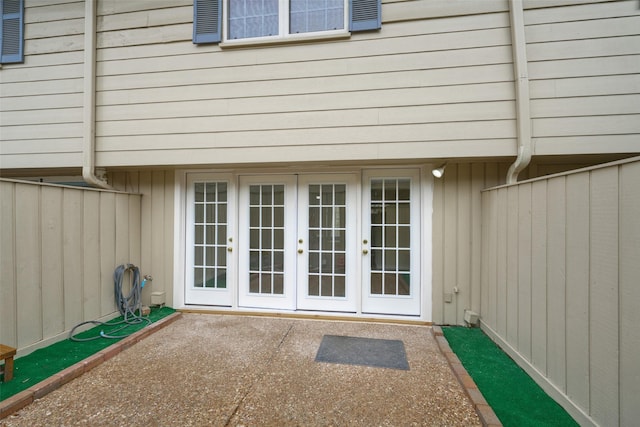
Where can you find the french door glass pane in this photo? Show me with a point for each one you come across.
(327, 230)
(266, 239)
(390, 236)
(210, 233)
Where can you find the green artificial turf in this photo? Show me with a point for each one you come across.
(45, 362)
(515, 398)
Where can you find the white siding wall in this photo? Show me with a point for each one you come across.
(41, 107)
(418, 88)
(560, 268)
(584, 71)
(59, 248)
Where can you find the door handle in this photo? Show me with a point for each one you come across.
(365, 251)
(300, 250)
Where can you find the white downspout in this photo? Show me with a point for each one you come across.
(520, 70)
(89, 100)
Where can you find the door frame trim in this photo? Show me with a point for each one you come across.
(179, 250)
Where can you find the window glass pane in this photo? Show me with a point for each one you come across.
(341, 191)
(210, 256)
(376, 189)
(404, 212)
(278, 261)
(222, 192)
(222, 278)
(222, 235)
(199, 213)
(266, 239)
(339, 263)
(327, 217)
(198, 255)
(376, 283)
(404, 189)
(278, 195)
(327, 263)
(404, 261)
(278, 217)
(390, 190)
(327, 240)
(197, 277)
(326, 286)
(404, 237)
(222, 212)
(390, 236)
(199, 190)
(252, 18)
(267, 221)
(254, 195)
(314, 285)
(339, 240)
(390, 284)
(222, 257)
(314, 239)
(390, 213)
(199, 234)
(211, 213)
(211, 192)
(278, 284)
(314, 216)
(315, 15)
(314, 195)
(314, 262)
(339, 286)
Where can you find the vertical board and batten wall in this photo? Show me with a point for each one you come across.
(41, 108)
(59, 247)
(156, 226)
(431, 83)
(584, 73)
(560, 286)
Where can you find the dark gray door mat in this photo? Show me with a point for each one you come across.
(363, 351)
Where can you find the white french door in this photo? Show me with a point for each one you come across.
(327, 242)
(342, 242)
(267, 242)
(391, 242)
(210, 273)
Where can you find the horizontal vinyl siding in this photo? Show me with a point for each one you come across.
(584, 70)
(41, 108)
(418, 88)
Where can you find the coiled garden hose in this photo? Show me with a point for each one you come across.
(127, 305)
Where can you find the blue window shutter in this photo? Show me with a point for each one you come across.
(11, 34)
(207, 21)
(365, 15)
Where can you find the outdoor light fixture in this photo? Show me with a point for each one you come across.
(438, 172)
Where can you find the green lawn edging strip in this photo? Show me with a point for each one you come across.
(47, 368)
(515, 398)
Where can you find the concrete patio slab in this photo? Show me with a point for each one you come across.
(238, 370)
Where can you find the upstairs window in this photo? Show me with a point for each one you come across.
(11, 31)
(281, 19)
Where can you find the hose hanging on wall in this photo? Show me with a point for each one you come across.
(126, 305)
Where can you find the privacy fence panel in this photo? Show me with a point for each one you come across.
(560, 286)
(59, 247)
